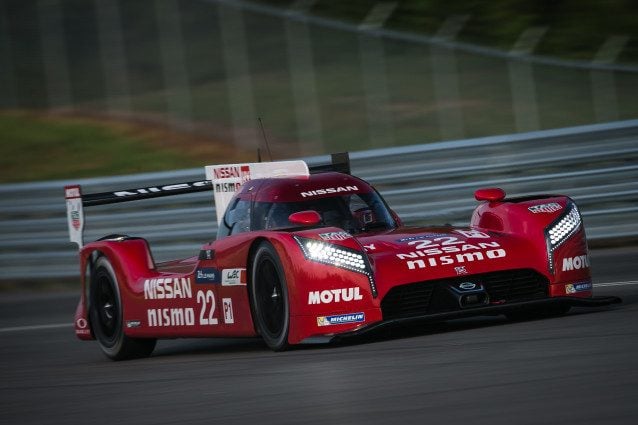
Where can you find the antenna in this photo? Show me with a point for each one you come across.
(263, 132)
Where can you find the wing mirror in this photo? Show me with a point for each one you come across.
(492, 194)
(305, 218)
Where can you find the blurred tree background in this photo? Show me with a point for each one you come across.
(112, 86)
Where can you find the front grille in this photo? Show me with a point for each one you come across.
(434, 296)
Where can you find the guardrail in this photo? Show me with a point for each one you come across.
(597, 165)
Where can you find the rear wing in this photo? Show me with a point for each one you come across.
(76, 201)
(224, 180)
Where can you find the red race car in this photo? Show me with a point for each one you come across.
(311, 255)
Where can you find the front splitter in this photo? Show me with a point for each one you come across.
(491, 310)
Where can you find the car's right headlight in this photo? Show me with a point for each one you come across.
(561, 229)
(338, 256)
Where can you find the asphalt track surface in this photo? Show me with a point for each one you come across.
(577, 369)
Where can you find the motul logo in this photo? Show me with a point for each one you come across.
(575, 263)
(334, 296)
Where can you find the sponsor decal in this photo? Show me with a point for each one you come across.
(167, 288)
(545, 208)
(334, 296)
(72, 192)
(167, 188)
(329, 190)
(242, 172)
(232, 277)
(171, 316)
(81, 323)
(473, 234)
(227, 305)
(185, 316)
(467, 286)
(335, 236)
(206, 254)
(572, 288)
(236, 175)
(340, 319)
(437, 252)
(460, 270)
(422, 237)
(370, 247)
(133, 323)
(207, 275)
(575, 263)
(75, 219)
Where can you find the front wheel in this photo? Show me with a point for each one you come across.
(269, 297)
(105, 312)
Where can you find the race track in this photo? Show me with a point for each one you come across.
(579, 369)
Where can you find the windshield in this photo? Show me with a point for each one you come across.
(355, 213)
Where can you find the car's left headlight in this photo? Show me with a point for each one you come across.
(338, 256)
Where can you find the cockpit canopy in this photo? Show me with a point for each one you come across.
(341, 200)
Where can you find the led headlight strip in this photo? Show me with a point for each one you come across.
(560, 230)
(339, 256)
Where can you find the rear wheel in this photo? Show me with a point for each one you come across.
(105, 312)
(269, 297)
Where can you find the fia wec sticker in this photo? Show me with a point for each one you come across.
(233, 277)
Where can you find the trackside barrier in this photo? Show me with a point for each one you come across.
(597, 165)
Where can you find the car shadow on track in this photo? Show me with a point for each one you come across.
(419, 329)
(239, 346)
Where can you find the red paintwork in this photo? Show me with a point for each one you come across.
(493, 194)
(505, 234)
(305, 218)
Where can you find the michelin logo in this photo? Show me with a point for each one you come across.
(573, 288)
(341, 319)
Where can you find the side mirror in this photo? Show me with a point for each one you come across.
(305, 218)
(492, 194)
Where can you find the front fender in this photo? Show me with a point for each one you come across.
(318, 292)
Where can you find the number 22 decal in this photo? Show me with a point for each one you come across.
(206, 298)
(427, 243)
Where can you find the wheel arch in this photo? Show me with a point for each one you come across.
(130, 259)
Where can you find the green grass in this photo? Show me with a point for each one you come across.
(37, 147)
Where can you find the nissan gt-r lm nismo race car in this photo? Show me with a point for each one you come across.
(311, 255)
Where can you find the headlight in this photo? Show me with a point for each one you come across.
(560, 230)
(566, 225)
(338, 256)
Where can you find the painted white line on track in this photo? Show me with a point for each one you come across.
(68, 325)
(629, 282)
(36, 327)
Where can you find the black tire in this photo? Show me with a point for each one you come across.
(105, 312)
(269, 297)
